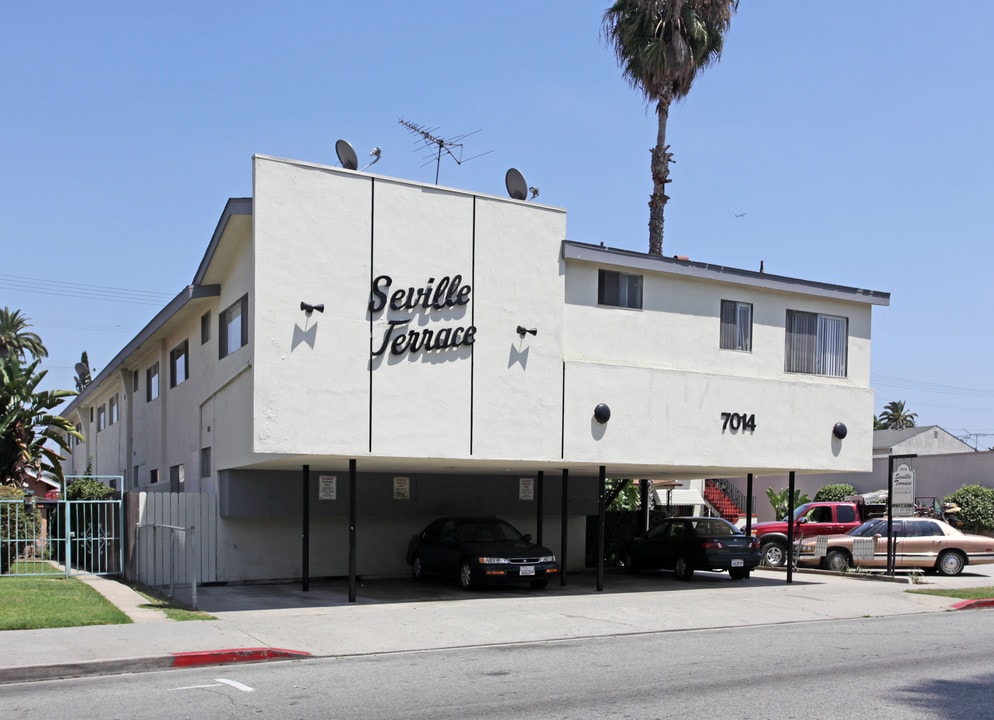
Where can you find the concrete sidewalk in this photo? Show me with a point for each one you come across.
(261, 622)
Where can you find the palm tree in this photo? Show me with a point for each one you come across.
(661, 45)
(15, 341)
(895, 417)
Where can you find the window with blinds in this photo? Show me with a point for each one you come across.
(816, 344)
(736, 326)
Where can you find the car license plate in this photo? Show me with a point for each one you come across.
(738, 563)
(527, 570)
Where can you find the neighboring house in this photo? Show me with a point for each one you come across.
(927, 440)
(449, 352)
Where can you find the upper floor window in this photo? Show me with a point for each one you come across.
(736, 325)
(816, 343)
(152, 382)
(113, 410)
(233, 327)
(101, 417)
(179, 360)
(205, 327)
(619, 289)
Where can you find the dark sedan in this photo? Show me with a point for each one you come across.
(480, 550)
(686, 544)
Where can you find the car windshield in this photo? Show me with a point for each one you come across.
(877, 526)
(487, 531)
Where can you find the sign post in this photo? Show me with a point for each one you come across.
(900, 490)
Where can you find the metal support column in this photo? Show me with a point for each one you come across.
(790, 527)
(644, 485)
(748, 529)
(306, 531)
(564, 534)
(352, 530)
(539, 492)
(601, 482)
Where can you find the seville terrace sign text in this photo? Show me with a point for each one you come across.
(448, 292)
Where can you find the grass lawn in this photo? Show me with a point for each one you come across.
(977, 593)
(28, 603)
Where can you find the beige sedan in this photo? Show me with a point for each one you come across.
(923, 543)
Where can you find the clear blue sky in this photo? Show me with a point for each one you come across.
(853, 138)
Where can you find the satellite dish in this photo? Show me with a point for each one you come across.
(83, 372)
(516, 185)
(346, 155)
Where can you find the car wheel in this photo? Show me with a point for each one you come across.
(774, 554)
(950, 563)
(466, 576)
(539, 584)
(683, 569)
(628, 563)
(739, 574)
(417, 569)
(837, 560)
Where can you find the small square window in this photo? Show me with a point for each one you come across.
(816, 344)
(153, 476)
(619, 289)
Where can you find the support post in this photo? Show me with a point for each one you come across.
(644, 484)
(749, 509)
(564, 527)
(352, 530)
(539, 491)
(790, 527)
(601, 483)
(305, 560)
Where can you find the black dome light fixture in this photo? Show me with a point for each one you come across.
(840, 430)
(602, 413)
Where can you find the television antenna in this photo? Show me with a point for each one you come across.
(452, 147)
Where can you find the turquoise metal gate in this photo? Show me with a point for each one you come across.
(61, 537)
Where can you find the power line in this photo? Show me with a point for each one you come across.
(81, 290)
(922, 386)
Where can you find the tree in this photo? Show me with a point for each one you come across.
(661, 45)
(15, 340)
(895, 417)
(31, 434)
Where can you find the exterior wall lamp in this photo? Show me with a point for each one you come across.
(530, 331)
(602, 413)
(840, 430)
(308, 308)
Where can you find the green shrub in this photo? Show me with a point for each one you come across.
(976, 507)
(835, 493)
(86, 488)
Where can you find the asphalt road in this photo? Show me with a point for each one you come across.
(919, 666)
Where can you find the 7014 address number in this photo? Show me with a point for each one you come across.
(738, 421)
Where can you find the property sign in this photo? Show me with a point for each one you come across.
(903, 496)
(327, 487)
(526, 488)
(402, 488)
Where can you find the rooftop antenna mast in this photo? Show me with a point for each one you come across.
(439, 145)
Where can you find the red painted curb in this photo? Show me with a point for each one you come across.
(969, 604)
(233, 655)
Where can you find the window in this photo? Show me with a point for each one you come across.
(619, 289)
(101, 417)
(79, 429)
(846, 513)
(113, 410)
(736, 326)
(153, 476)
(134, 477)
(205, 462)
(179, 369)
(816, 344)
(152, 383)
(205, 327)
(233, 327)
(134, 382)
(176, 478)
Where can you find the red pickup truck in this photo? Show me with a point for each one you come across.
(811, 519)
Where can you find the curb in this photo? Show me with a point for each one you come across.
(35, 673)
(972, 604)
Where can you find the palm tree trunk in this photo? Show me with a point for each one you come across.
(661, 159)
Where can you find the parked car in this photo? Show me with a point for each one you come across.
(686, 544)
(919, 542)
(480, 550)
